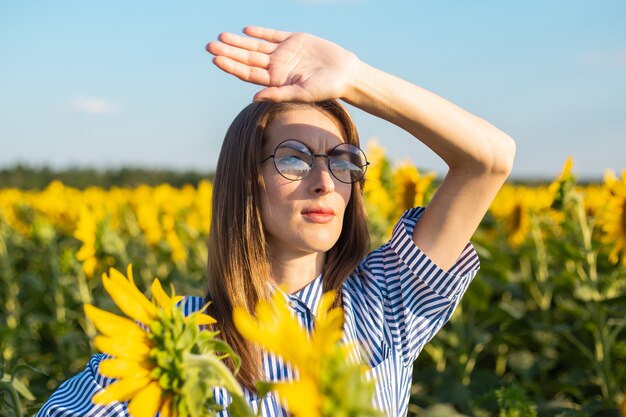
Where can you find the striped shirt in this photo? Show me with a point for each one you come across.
(394, 303)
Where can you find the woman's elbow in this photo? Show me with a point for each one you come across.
(503, 156)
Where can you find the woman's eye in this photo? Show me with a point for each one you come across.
(292, 163)
(293, 159)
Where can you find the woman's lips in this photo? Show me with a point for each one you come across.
(319, 215)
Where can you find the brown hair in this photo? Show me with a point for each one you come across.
(238, 265)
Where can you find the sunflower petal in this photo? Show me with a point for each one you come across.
(163, 300)
(325, 303)
(122, 390)
(123, 368)
(332, 321)
(129, 283)
(146, 402)
(328, 323)
(110, 324)
(123, 348)
(262, 332)
(246, 325)
(129, 274)
(166, 407)
(302, 397)
(128, 298)
(276, 330)
(202, 319)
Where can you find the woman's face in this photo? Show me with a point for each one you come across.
(306, 216)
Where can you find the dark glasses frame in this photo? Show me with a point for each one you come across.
(321, 155)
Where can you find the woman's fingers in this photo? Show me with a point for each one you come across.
(270, 35)
(293, 93)
(244, 72)
(274, 59)
(253, 45)
(243, 56)
(283, 93)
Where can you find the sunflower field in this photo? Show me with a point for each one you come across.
(540, 332)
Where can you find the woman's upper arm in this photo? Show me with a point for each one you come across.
(454, 214)
(479, 157)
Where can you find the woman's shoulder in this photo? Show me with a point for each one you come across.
(401, 234)
(401, 256)
(376, 264)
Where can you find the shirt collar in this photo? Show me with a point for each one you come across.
(310, 295)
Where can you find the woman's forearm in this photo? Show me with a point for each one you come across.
(464, 141)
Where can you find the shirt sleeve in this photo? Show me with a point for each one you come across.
(73, 397)
(418, 297)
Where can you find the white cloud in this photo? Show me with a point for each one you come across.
(93, 105)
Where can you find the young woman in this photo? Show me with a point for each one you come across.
(288, 212)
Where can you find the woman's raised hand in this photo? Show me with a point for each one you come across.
(292, 66)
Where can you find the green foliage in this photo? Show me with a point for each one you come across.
(513, 403)
(12, 389)
(540, 332)
(348, 394)
(33, 178)
(542, 326)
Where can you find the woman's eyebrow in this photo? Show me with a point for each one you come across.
(336, 151)
(296, 145)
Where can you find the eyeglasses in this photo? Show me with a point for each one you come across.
(294, 160)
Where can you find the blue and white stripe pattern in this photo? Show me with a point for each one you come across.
(394, 302)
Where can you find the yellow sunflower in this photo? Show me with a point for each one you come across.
(562, 185)
(153, 350)
(378, 181)
(512, 207)
(329, 382)
(87, 232)
(518, 224)
(409, 187)
(613, 217)
(594, 198)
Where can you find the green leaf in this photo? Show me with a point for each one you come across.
(239, 407)
(263, 388)
(441, 410)
(18, 386)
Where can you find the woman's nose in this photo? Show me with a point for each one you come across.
(322, 181)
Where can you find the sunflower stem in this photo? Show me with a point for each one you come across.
(586, 230)
(542, 293)
(602, 340)
(211, 361)
(15, 400)
(10, 288)
(59, 296)
(85, 298)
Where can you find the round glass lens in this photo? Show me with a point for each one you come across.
(293, 160)
(347, 163)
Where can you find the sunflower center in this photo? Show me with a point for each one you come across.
(172, 339)
(409, 195)
(516, 218)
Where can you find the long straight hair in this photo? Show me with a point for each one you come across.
(238, 261)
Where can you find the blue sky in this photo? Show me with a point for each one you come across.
(118, 83)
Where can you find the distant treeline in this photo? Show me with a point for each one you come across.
(32, 178)
(37, 178)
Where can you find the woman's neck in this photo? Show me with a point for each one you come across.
(292, 273)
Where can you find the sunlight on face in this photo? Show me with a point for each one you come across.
(305, 216)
